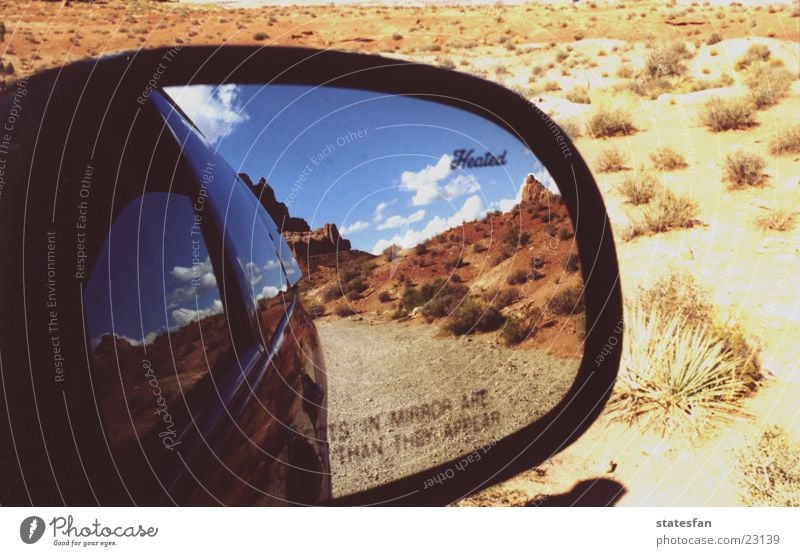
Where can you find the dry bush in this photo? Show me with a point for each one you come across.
(610, 122)
(743, 169)
(474, 315)
(518, 276)
(579, 95)
(666, 160)
(756, 53)
(771, 470)
(676, 377)
(778, 220)
(714, 38)
(520, 327)
(669, 211)
(786, 141)
(611, 160)
(768, 84)
(567, 300)
(384, 297)
(725, 114)
(502, 298)
(331, 292)
(343, 309)
(667, 61)
(639, 188)
(677, 293)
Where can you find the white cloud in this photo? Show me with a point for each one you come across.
(215, 110)
(182, 317)
(380, 211)
(357, 226)
(272, 264)
(458, 186)
(472, 209)
(187, 273)
(399, 221)
(427, 184)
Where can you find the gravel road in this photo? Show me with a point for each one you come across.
(402, 397)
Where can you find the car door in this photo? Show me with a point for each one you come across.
(208, 373)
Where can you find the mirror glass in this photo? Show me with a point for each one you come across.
(437, 258)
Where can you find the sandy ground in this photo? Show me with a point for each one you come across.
(402, 399)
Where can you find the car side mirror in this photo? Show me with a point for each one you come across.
(406, 287)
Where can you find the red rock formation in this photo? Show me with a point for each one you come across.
(533, 191)
(321, 241)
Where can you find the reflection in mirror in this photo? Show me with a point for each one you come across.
(438, 261)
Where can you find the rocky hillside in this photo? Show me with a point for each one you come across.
(515, 274)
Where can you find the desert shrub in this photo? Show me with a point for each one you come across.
(343, 309)
(566, 232)
(725, 114)
(479, 248)
(260, 36)
(756, 53)
(384, 297)
(666, 160)
(571, 262)
(331, 292)
(768, 84)
(474, 315)
(442, 297)
(521, 327)
(675, 377)
(579, 95)
(677, 293)
(355, 287)
(771, 470)
(572, 128)
(639, 187)
(666, 61)
(420, 249)
(503, 298)
(744, 169)
(518, 276)
(786, 141)
(714, 38)
(669, 211)
(567, 300)
(551, 86)
(778, 220)
(609, 122)
(610, 160)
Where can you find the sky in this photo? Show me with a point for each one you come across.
(385, 169)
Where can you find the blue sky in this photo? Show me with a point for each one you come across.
(380, 167)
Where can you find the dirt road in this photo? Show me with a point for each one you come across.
(402, 398)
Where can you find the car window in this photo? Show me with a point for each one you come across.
(154, 316)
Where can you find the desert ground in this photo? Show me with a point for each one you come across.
(662, 68)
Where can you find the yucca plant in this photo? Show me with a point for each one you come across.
(676, 377)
